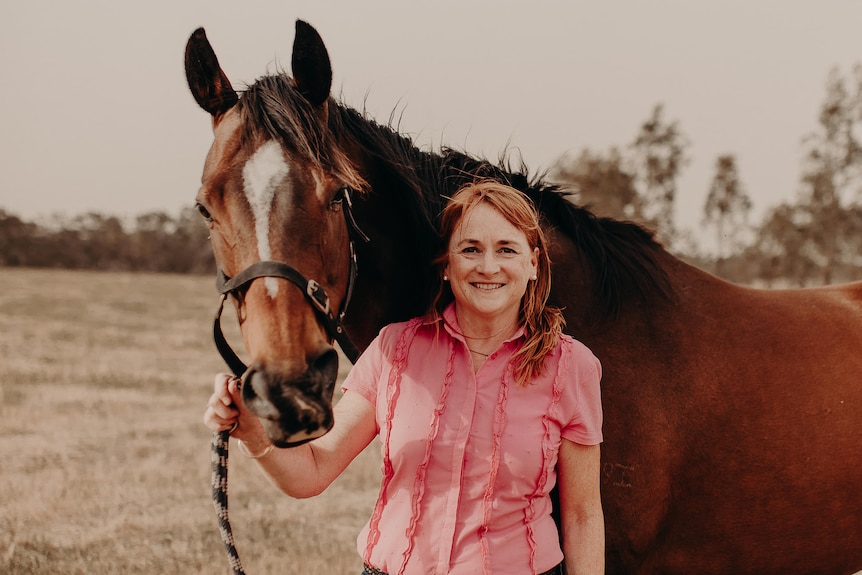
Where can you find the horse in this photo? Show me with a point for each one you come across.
(733, 415)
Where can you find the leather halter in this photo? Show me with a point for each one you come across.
(314, 292)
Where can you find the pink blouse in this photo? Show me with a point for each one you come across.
(469, 458)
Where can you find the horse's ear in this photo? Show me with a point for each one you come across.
(209, 85)
(312, 71)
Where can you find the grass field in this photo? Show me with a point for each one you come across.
(105, 461)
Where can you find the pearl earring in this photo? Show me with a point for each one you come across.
(445, 278)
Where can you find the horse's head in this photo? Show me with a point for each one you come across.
(276, 189)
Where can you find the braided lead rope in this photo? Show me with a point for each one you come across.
(220, 443)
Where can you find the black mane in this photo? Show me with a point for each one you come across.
(623, 256)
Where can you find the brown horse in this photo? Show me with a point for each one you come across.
(733, 416)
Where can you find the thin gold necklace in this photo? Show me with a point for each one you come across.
(479, 352)
(465, 336)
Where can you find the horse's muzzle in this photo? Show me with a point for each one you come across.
(293, 410)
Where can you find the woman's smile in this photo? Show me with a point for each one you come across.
(484, 286)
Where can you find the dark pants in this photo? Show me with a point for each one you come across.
(369, 570)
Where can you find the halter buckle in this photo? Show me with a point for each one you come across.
(318, 297)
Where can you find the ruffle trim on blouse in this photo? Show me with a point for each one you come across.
(419, 483)
(392, 391)
(393, 385)
(488, 500)
(547, 449)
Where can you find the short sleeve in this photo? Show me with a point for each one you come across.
(364, 376)
(583, 373)
(367, 375)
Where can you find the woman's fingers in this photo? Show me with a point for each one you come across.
(220, 410)
(234, 389)
(221, 387)
(225, 409)
(221, 413)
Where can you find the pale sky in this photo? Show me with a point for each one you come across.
(96, 114)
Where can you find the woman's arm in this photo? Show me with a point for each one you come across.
(583, 523)
(302, 471)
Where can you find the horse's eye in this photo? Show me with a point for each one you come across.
(337, 200)
(203, 212)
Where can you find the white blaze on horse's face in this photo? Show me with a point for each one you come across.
(261, 176)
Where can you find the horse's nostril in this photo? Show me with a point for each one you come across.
(243, 380)
(326, 364)
(247, 383)
(256, 394)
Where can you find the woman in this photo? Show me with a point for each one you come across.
(482, 406)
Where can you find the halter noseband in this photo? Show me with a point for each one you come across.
(314, 292)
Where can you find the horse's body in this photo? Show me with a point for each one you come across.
(733, 416)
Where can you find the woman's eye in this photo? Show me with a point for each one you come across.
(203, 212)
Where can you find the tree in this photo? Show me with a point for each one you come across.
(659, 156)
(103, 242)
(179, 245)
(726, 209)
(17, 239)
(784, 248)
(193, 234)
(602, 184)
(832, 167)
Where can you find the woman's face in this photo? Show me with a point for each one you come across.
(490, 263)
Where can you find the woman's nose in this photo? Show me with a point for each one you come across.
(488, 263)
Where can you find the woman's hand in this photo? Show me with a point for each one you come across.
(225, 410)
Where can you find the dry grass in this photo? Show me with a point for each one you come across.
(105, 461)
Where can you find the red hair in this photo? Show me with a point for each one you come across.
(542, 324)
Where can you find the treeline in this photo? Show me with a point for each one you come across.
(795, 245)
(814, 239)
(155, 242)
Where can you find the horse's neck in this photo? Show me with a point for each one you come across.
(395, 266)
